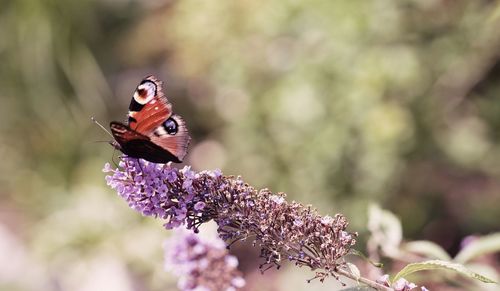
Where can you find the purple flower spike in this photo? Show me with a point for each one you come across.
(283, 230)
(201, 264)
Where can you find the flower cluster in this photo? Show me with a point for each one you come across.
(283, 230)
(162, 191)
(201, 264)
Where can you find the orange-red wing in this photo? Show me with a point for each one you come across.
(149, 106)
(178, 143)
(152, 116)
(123, 133)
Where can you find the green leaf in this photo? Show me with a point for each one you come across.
(440, 265)
(485, 270)
(427, 248)
(483, 245)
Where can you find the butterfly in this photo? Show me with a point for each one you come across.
(152, 132)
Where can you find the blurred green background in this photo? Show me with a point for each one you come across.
(337, 103)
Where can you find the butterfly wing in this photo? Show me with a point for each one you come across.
(152, 133)
(136, 145)
(149, 107)
(173, 136)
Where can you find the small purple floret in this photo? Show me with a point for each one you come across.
(201, 264)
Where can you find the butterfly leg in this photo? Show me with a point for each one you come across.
(140, 166)
(113, 158)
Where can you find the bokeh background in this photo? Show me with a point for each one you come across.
(337, 103)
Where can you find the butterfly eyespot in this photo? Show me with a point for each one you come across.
(145, 92)
(170, 126)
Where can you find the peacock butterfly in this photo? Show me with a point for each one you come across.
(153, 132)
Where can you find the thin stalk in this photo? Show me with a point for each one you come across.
(365, 281)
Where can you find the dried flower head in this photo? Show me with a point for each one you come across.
(283, 230)
(201, 264)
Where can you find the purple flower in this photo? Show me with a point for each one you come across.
(277, 199)
(403, 285)
(298, 223)
(400, 285)
(283, 230)
(199, 205)
(201, 264)
(107, 168)
(327, 220)
(171, 176)
(384, 280)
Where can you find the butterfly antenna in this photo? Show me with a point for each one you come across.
(100, 125)
(98, 141)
